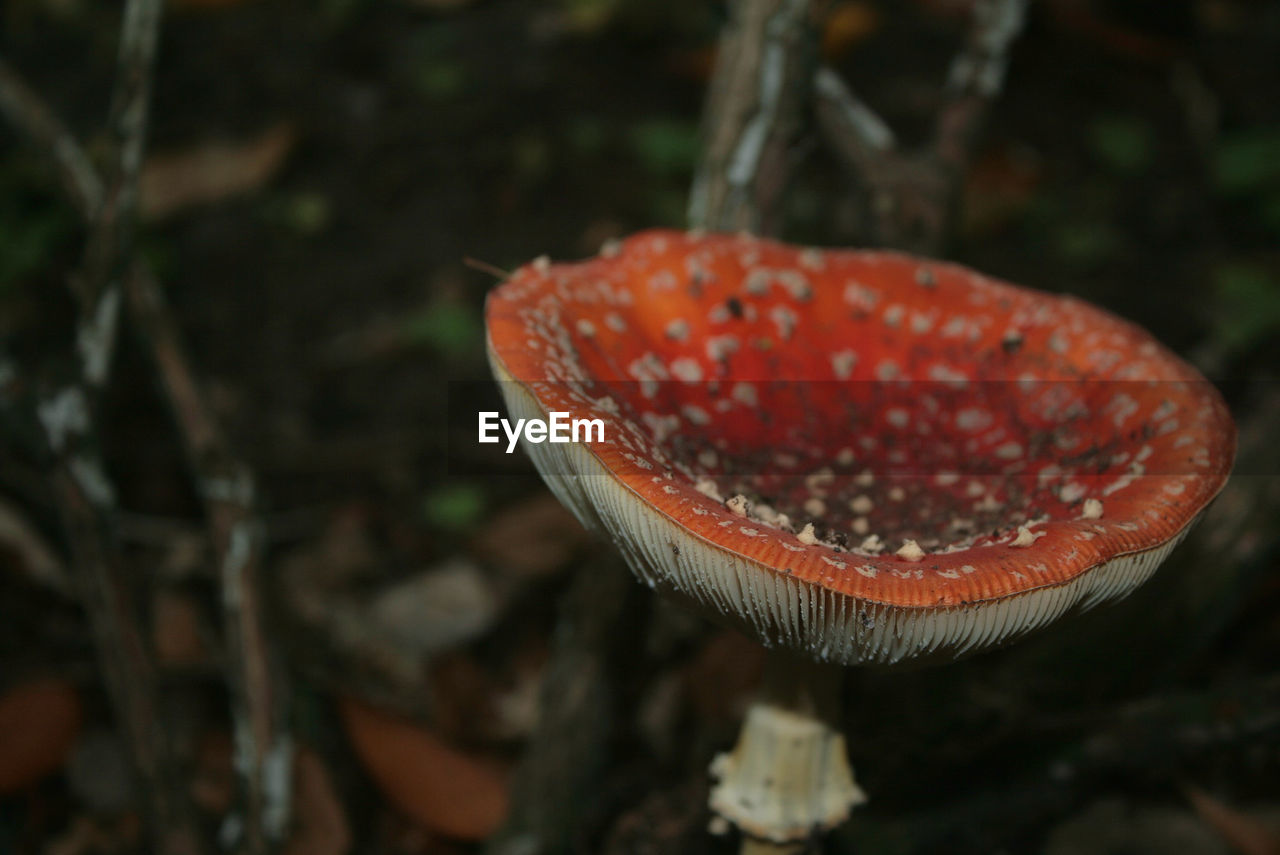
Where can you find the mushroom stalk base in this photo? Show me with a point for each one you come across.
(788, 778)
(751, 846)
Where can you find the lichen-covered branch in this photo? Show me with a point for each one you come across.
(976, 78)
(1154, 740)
(909, 196)
(865, 134)
(60, 421)
(904, 197)
(226, 485)
(59, 424)
(127, 666)
(755, 112)
(87, 499)
(26, 111)
(108, 248)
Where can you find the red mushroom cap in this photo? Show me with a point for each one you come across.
(866, 456)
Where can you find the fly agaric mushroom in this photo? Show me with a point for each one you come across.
(854, 457)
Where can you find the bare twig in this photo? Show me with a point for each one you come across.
(976, 78)
(86, 502)
(32, 555)
(868, 136)
(569, 751)
(24, 109)
(910, 196)
(754, 114)
(226, 485)
(111, 234)
(1154, 740)
(126, 663)
(903, 196)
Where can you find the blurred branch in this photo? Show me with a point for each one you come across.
(910, 196)
(86, 504)
(976, 79)
(1155, 741)
(754, 114)
(227, 488)
(569, 752)
(126, 663)
(24, 110)
(111, 232)
(863, 136)
(764, 85)
(65, 422)
(86, 497)
(905, 195)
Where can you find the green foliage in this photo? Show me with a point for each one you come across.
(531, 155)
(666, 147)
(309, 213)
(1248, 305)
(586, 134)
(668, 206)
(1248, 161)
(454, 507)
(305, 214)
(435, 66)
(27, 244)
(1085, 244)
(1122, 143)
(1269, 212)
(339, 13)
(32, 227)
(440, 80)
(448, 326)
(1246, 168)
(588, 16)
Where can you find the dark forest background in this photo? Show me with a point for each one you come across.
(288, 557)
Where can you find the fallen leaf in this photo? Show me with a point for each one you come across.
(1083, 20)
(694, 64)
(26, 549)
(1246, 834)
(536, 537)
(81, 837)
(213, 778)
(1118, 825)
(463, 691)
(437, 609)
(320, 822)
(176, 630)
(1000, 186)
(97, 835)
(437, 785)
(847, 24)
(517, 705)
(100, 772)
(39, 722)
(211, 172)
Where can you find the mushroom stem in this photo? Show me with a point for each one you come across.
(788, 778)
(751, 846)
